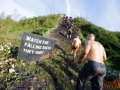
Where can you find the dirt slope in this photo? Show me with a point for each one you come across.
(63, 44)
(63, 49)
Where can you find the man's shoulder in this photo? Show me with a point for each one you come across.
(75, 38)
(99, 44)
(88, 42)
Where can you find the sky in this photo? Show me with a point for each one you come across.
(103, 13)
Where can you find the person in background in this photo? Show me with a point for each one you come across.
(75, 46)
(95, 69)
(68, 23)
(70, 30)
(71, 20)
(62, 18)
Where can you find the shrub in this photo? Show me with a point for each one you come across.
(40, 31)
(8, 51)
(111, 74)
(48, 25)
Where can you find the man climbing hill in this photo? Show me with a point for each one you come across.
(94, 70)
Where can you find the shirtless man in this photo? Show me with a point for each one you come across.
(94, 70)
(75, 46)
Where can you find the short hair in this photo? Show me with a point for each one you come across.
(78, 36)
(91, 36)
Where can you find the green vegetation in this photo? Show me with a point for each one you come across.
(11, 69)
(12, 31)
(58, 72)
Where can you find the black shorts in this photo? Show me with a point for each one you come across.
(68, 24)
(69, 32)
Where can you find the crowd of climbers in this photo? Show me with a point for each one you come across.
(94, 52)
(76, 42)
(66, 21)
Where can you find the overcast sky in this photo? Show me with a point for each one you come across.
(103, 13)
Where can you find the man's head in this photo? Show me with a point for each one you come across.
(78, 37)
(91, 37)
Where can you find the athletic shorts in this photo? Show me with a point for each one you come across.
(69, 32)
(75, 48)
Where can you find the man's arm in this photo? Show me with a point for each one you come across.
(73, 42)
(85, 51)
(104, 55)
(80, 42)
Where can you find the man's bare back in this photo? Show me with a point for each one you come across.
(93, 50)
(77, 41)
(96, 52)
